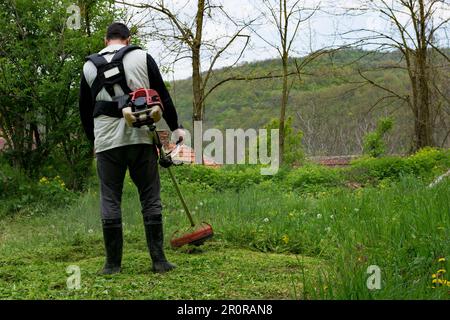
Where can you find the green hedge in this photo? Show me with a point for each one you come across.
(426, 164)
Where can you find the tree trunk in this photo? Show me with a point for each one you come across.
(197, 81)
(284, 101)
(423, 121)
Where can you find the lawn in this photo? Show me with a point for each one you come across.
(271, 242)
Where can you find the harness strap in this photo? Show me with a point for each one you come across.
(107, 108)
(108, 75)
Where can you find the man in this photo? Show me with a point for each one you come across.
(119, 146)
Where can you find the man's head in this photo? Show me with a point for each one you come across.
(117, 33)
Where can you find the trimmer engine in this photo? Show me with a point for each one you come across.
(142, 103)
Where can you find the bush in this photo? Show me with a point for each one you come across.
(429, 160)
(426, 163)
(293, 152)
(226, 177)
(20, 194)
(368, 169)
(313, 177)
(374, 144)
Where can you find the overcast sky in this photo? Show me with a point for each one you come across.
(324, 29)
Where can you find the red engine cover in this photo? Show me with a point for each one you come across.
(151, 96)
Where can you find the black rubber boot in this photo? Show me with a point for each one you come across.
(113, 237)
(154, 235)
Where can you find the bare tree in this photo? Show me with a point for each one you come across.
(286, 17)
(415, 26)
(181, 29)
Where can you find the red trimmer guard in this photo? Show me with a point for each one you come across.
(196, 238)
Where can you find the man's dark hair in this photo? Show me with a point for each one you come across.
(117, 30)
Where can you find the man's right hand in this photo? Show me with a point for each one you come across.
(128, 115)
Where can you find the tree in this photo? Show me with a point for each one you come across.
(40, 64)
(286, 17)
(416, 27)
(183, 33)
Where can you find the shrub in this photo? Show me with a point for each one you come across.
(426, 163)
(367, 169)
(20, 194)
(374, 145)
(312, 177)
(427, 160)
(293, 150)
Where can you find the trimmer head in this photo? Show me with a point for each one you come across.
(196, 238)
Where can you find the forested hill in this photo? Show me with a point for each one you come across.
(330, 103)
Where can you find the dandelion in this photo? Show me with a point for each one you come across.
(356, 209)
(441, 271)
(90, 231)
(291, 215)
(441, 260)
(200, 204)
(328, 229)
(319, 216)
(266, 220)
(43, 180)
(285, 239)
(332, 216)
(441, 281)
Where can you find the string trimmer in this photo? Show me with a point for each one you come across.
(141, 103)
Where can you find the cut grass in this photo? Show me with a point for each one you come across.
(216, 272)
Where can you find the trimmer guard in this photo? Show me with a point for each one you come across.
(196, 238)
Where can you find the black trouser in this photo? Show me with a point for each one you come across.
(142, 162)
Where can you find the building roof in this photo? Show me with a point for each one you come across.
(186, 154)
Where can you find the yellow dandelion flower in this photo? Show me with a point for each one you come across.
(441, 271)
(433, 276)
(285, 239)
(43, 180)
(443, 282)
(441, 260)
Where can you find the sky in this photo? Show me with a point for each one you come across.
(324, 29)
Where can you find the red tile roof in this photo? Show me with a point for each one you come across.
(186, 154)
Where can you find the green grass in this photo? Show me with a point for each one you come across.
(270, 242)
(217, 272)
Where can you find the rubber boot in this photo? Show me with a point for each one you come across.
(113, 237)
(155, 238)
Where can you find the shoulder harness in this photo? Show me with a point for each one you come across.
(108, 75)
